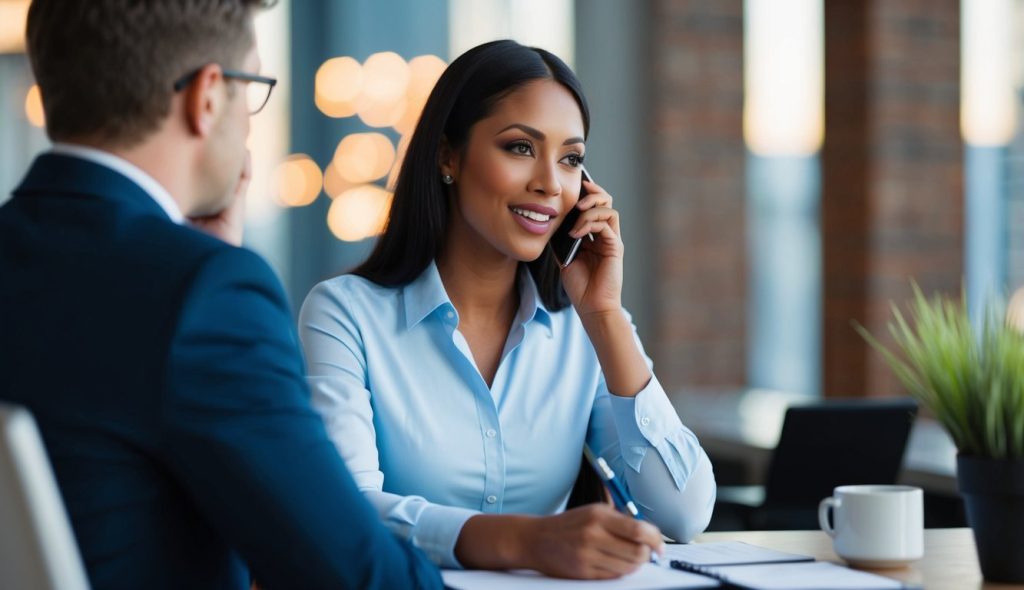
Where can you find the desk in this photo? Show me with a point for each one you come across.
(744, 426)
(950, 561)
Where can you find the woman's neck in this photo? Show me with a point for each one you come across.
(481, 290)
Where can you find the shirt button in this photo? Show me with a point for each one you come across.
(491, 433)
(450, 314)
(645, 421)
(492, 499)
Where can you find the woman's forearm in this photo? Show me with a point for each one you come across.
(625, 369)
(493, 542)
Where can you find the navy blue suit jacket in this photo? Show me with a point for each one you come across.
(163, 369)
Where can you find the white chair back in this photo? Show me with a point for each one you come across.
(37, 547)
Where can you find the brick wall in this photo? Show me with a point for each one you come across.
(697, 164)
(892, 198)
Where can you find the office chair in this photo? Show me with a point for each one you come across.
(37, 548)
(833, 443)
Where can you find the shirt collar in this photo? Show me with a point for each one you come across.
(531, 306)
(146, 182)
(426, 294)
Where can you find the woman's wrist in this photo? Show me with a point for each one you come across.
(603, 321)
(495, 542)
(623, 364)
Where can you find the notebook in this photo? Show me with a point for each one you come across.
(814, 575)
(695, 556)
(758, 568)
(698, 565)
(648, 577)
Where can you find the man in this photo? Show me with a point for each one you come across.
(160, 362)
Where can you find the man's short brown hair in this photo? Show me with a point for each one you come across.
(106, 68)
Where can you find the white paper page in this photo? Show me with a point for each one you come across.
(728, 553)
(818, 575)
(648, 577)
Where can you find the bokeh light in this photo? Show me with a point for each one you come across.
(334, 184)
(379, 113)
(359, 213)
(34, 107)
(424, 71)
(364, 157)
(339, 82)
(298, 181)
(988, 96)
(384, 91)
(13, 14)
(385, 77)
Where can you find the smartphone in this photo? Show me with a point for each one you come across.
(564, 246)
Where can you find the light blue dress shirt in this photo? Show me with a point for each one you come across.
(431, 445)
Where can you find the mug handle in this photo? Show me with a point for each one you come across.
(823, 508)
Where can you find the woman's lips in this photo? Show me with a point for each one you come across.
(531, 220)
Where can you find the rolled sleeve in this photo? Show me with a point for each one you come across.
(649, 420)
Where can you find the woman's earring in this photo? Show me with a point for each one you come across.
(447, 179)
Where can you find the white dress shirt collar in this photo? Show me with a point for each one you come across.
(153, 188)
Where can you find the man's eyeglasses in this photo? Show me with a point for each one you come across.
(257, 94)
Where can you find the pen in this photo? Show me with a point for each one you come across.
(620, 495)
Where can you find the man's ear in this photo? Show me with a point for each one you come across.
(448, 159)
(204, 100)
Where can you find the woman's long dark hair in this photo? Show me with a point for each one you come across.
(466, 93)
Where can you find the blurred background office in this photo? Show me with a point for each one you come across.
(782, 166)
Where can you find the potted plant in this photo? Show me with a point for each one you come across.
(973, 382)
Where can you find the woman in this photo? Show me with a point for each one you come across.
(457, 380)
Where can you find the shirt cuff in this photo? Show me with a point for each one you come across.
(649, 420)
(437, 531)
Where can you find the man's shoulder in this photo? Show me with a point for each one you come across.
(192, 251)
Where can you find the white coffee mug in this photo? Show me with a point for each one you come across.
(875, 526)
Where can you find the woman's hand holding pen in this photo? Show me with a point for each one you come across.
(593, 542)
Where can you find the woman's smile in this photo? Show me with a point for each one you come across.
(536, 219)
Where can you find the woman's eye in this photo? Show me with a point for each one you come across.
(574, 160)
(521, 149)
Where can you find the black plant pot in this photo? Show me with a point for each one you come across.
(993, 491)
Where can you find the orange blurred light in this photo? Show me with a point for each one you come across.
(364, 157)
(380, 113)
(413, 109)
(339, 82)
(34, 107)
(385, 77)
(13, 14)
(334, 184)
(298, 181)
(424, 70)
(359, 213)
(423, 74)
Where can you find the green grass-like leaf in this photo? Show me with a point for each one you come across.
(973, 384)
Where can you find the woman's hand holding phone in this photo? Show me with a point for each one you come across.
(594, 280)
(594, 284)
